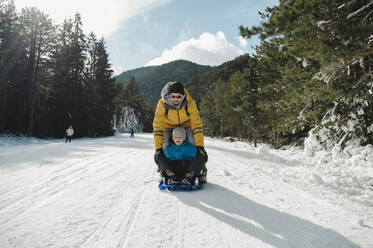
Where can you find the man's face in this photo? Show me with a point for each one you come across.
(176, 98)
(178, 140)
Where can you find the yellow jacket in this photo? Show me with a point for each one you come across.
(185, 116)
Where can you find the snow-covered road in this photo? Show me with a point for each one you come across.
(103, 193)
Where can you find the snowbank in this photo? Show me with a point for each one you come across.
(348, 172)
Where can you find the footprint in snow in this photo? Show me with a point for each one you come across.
(361, 223)
(226, 173)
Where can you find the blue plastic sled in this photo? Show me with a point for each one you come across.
(165, 186)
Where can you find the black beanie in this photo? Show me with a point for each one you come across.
(176, 87)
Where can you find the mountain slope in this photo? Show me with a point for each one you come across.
(205, 82)
(152, 79)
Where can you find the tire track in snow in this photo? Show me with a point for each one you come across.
(39, 186)
(68, 169)
(129, 225)
(224, 236)
(116, 227)
(225, 232)
(193, 225)
(180, 239)
(32, 197)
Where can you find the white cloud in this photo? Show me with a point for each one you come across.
(101, 17)
(243, 41)
(208, 49)
(116, 70)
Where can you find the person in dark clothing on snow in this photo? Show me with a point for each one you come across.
(176, 108)
(132, 133)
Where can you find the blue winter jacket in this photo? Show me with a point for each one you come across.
(184, 151)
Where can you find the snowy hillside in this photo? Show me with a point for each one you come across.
(103, 193)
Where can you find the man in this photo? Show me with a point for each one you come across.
(177, 108)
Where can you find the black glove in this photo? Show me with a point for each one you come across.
(157, 154)
(201, 150)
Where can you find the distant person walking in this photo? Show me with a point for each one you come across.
(69, 134)
(132, 133)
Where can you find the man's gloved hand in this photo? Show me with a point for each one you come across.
(201, 150)
(157, 154)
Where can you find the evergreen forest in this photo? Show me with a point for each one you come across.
(310, 75)
(54, 75)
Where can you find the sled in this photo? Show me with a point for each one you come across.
(163, 185)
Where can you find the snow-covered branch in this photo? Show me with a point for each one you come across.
(360, 10)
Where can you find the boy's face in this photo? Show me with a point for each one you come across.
(178, 140)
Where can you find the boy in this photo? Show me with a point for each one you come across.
(180, 149)
(178, 163)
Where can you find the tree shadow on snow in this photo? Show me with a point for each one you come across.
(269, 225)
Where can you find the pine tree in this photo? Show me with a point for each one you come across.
(211, 121)
(69, 56)
(36, 30)
(91, 85)
(106, 91)
(251, 98)
(8, 56)
(321, 42)
(221, 106)
(234, 103)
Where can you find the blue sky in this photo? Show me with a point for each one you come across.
(151, 32)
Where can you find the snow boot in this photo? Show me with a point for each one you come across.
(173, 181)
(202, 178)
(188, 180)
(169, 176)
